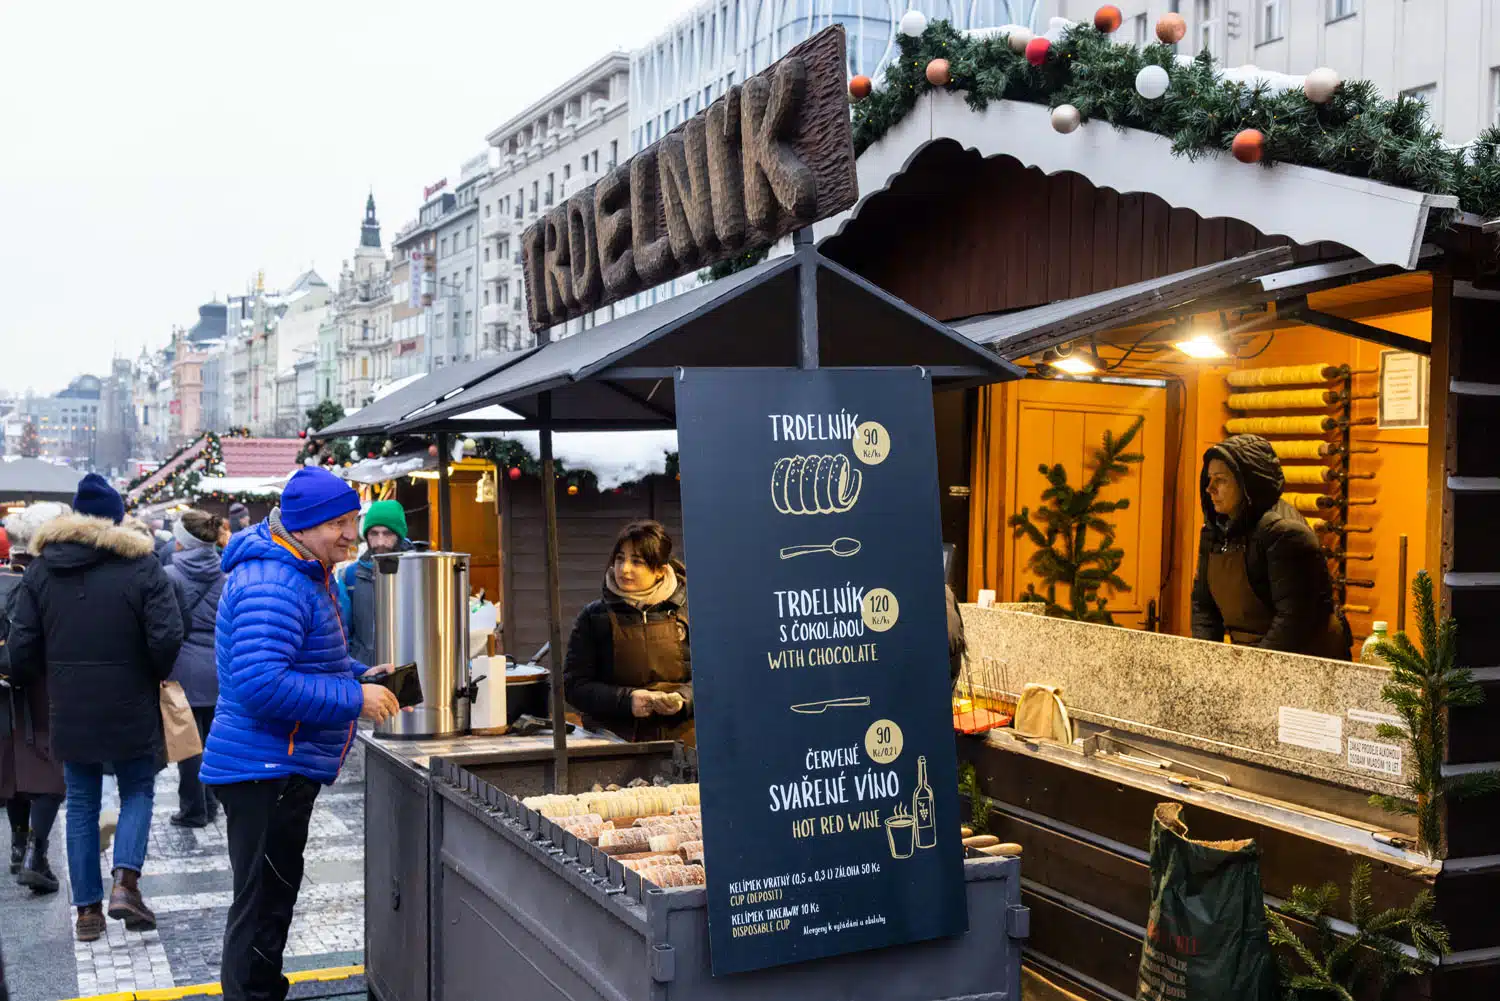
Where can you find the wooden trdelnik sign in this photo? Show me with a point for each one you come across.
(772, 155)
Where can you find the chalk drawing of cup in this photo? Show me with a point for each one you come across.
(901, 834)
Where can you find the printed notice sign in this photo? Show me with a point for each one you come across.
(1305, 728)
(825, 741)
(1375, 756)
(1403, 389)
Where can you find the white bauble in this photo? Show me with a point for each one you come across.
(1320, 84)
(1065, 118)
(1019, 38)
(1151, 82)
(913, 23)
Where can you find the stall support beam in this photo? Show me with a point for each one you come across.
(807, 299)
(554, 600)
(445, 500)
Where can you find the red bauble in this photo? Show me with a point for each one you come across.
(860, 87)
(1171, 29)
(515, 472)
(1108, 18)
(432, 450)
(939, 73)
(302, 433)
(1248, 146)
(369, 455)
(1036, 51)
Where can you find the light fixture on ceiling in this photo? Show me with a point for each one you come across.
(1075, 365)
(1203, 347)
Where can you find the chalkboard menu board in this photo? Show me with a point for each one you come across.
(820, 668)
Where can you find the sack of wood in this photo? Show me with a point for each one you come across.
(1206, 936)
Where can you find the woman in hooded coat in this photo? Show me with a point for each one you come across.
(31, 779)
(198, 579)
(1262, 577)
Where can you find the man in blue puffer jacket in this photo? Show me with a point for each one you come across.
(289, 696)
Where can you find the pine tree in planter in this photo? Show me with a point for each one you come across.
(1424, 685)
(30, 446)
(1060, 530)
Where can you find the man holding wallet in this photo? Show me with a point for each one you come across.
(289, 696)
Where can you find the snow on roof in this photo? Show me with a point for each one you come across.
(241, 485)
(614, 457)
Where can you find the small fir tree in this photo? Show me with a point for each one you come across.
(1424, 685)
(30, 445)
(1366, 964)
(1060, 531)
(321, 416)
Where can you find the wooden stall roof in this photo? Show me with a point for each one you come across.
(1023, 332)
(421, 393)
(618, 376)
(1383, 223)
(37, 480)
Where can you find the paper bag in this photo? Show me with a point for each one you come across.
(177, 724)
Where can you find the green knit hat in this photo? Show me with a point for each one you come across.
(385, 514)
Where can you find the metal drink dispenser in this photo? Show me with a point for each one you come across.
(422, 615)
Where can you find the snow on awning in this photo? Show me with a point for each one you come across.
(614, 457)
(1378, 221)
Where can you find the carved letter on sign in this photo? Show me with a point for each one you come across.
(685, 193)
(776, 179)
(763, 160)
(583, 249)
(612, 222)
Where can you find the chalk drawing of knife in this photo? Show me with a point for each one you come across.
(814, 708)
(838, 547)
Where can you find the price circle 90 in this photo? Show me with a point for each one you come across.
(883, 741)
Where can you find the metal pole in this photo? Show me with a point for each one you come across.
(554, 601)
(807, 299)
(445, 501)
(1401, 550)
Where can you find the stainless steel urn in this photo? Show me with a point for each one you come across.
(422, 615)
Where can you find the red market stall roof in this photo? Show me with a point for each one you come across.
(259, 457)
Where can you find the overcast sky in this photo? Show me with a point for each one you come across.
(157, 153)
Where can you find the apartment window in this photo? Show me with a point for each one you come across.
(1208, 26)
(505, 291)
(1495, 95)
(551, 187)
(487, 211)
(469, 235)
(1268, 23)
(594, 161)
(567, 171)
(364, 368)
(1338, 9)
(1427, 94)
(486, 297)
(443, 251)
(468, 278)
(486, 254)
(1140, 31)
(614, 153)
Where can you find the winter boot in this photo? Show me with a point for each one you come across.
(125, 903)
(36, 874)
(90, 924)
(18, 838)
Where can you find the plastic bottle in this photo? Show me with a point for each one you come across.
(1367, 653)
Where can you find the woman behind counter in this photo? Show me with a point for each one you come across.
(627, 666)
(1262, 576)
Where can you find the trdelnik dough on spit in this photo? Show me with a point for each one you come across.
(814, 484)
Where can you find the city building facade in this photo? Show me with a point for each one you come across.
(67, 422)
(354, 345)
(558, 145)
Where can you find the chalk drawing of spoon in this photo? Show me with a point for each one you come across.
(838, 547)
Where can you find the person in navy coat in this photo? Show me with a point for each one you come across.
(289, 696)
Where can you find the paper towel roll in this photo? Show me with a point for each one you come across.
(487, 714)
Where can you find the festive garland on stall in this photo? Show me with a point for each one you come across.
(1345, 127)
(184, 482)
(214, 439)
(512, 458)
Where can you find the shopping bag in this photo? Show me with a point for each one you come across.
(177, 723)
(1206, 936)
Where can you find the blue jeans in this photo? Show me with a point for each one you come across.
(137, 780)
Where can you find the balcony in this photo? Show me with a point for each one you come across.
(494, 313)
(494, 226)
(496, 270)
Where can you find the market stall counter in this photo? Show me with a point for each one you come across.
(501, 900)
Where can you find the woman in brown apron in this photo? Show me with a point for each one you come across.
(627, 667)
(1262, 577)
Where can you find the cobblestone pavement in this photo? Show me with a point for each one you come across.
(187, 882)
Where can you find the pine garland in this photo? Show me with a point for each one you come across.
(1358, 133)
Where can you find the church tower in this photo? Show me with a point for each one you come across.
(369, 259)
(369, 231)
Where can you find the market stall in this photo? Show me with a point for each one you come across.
(1193, 298)
(571, 892)
(27, 481)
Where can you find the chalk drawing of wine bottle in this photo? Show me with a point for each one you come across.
(922, 808)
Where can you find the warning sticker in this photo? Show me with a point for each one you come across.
(1305, 728)
(1375, 756)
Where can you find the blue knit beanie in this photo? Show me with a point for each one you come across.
(313, 496)
(97, 498)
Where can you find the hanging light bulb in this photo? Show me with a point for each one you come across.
(1075, 365)
(1202, 347)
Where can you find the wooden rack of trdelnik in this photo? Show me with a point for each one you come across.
(1307, 413)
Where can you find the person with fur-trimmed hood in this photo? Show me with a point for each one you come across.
(97, 616)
